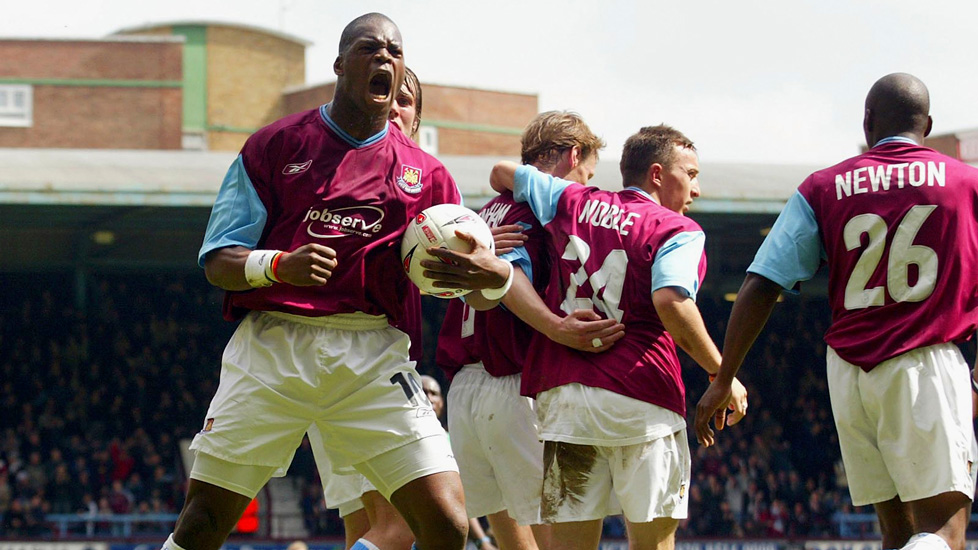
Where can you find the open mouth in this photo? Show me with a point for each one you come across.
(380, 85)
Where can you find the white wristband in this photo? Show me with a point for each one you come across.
(494, 294)
(258, 267)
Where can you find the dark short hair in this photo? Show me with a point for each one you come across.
(648, 146)
(353, 28)
(554, 131)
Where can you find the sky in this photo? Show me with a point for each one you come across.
(774, 82)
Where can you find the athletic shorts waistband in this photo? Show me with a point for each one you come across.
(474, 366)
(342, 321)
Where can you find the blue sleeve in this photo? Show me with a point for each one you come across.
(677, 263)
(792, 251)
(519, 257)
(238, 216)
(541, 191)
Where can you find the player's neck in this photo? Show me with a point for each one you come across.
(652, 192)
(354, 121)
(546, 168)
(909, 134)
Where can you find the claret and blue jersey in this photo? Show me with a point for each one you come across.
(898, 228)
(613, 250)
(496, 337)
(304, 180)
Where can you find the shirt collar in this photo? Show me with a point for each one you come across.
(641, 191)
(895, 139)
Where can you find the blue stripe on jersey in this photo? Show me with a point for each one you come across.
(895, 139)
(641, 191)
(521, 258)
(792, 251)
(347, 137)
(238, 216)
(677, 263)
(541, 191)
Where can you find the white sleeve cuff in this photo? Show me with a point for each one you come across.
(495, 294)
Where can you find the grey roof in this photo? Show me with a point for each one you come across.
(191, 178)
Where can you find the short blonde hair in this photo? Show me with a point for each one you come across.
(552, 132)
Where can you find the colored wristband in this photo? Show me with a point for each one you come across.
(494, 294)
(258, 267)
(273, 272)
(479, 543)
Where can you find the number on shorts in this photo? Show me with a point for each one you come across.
(606, 283)
(412, 389)
(903, 254)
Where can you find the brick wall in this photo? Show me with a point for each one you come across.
(947, 144)
(308, 97)
(72, 114)
(469, 121)
(247, 72)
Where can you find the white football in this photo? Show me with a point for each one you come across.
(436, 226)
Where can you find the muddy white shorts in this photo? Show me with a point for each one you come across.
(349, 375)
(644, 481)
(494, 436)
(905, 427)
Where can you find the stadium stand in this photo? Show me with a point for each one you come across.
(93, 404)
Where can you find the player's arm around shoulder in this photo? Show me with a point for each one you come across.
(240, 268)
(503, 176)
(583, 330)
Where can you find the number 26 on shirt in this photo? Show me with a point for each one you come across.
(902, 254)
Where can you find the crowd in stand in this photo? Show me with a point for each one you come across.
(95, 397)
(92, 404)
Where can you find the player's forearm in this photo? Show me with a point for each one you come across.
(755, 301)
(683, 321)
(524, 302)
(478, 302)
(225, 268)
(503, 176)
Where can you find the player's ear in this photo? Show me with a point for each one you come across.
(338, 65)
(654, 176)
(575, 156)
(868, 124)
(930, 124)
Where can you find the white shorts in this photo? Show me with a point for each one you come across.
(494, 436)
(349, 375)
(644, 481)
(905, 427)
(340, 491)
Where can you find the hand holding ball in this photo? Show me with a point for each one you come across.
(436, 226)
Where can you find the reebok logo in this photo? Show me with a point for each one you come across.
(297, 168)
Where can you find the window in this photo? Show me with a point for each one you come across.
(16, 105)
(428, 139)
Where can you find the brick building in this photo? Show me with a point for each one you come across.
(455, 121)
(120, 92)
(205, 86)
